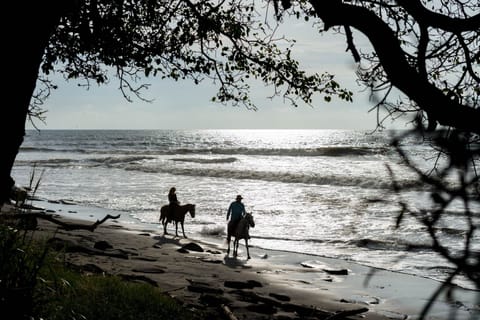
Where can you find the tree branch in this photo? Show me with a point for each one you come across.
(401, 74)
(426, 17)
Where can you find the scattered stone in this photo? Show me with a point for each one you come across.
(69, 246)
(342, 272)
(303, 264)
(262, 308)
(193, 247)
(72, 211)
(67, 202)
(149, 270)
(305, 312)
(280, 297)
(256, 298)
(346, 313)
(102, 245)
(214, 251)
(250, 284)
(254, 283)
(150, 259)
(204, 289)
(144, 234)
(182, 250)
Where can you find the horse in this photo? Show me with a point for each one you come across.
(178, 216)
(241, 232)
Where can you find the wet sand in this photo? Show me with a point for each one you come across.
(271, 285)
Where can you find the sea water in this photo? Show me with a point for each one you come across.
(321, 192)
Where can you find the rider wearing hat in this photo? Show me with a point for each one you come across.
(235, 212)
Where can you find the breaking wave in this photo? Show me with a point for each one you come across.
(333, 151)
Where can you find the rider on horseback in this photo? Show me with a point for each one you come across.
(174, 203)
(236, 211)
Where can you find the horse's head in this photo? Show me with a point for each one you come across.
(192, 210)
(249, 218)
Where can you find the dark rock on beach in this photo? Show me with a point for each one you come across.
(262, 308)
(102, 245)
(204, 289)
(342, 272)
(250, 284)
(192, 247)
(154, 269)
(71, 247)
(280, 297)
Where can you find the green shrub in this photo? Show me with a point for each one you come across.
(79, 296)
(20, 262)
(35, 283)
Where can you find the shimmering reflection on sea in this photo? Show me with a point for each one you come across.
(311, 191)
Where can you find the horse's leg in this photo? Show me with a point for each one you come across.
(164, 222)
(176, 228)
(183, 231)
(228, 241)
(235, 247)
(246, 245)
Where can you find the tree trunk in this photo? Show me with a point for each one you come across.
(25, 40)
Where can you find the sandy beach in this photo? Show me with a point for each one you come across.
(271, 285)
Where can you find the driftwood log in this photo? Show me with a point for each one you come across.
(64, 225)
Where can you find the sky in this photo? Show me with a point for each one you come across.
(183, 105)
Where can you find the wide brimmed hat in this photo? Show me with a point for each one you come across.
(239, 197)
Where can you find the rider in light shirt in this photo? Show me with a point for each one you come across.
(235, 212)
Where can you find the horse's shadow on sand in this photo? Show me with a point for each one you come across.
(162, 239)
(235, 262)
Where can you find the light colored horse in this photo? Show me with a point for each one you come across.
(241, 232)
(178, 216)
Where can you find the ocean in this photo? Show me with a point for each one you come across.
(325, 193)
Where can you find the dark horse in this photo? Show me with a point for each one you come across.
(241, 232)
(178, 216)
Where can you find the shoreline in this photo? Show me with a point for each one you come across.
(307, 280)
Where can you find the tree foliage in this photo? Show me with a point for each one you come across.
(225, 41)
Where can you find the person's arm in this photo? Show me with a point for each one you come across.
(229, 211)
